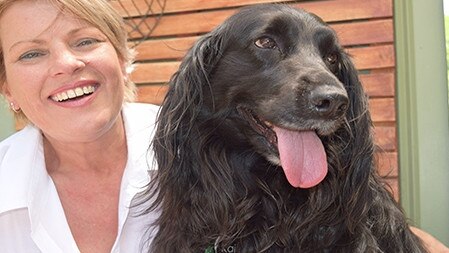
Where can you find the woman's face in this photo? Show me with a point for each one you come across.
(63, 73)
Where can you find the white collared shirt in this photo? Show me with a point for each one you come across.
(31, 215)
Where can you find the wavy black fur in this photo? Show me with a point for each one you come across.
(218, 185)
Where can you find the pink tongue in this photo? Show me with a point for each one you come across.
(302, 157)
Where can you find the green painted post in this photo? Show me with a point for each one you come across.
(423, 121)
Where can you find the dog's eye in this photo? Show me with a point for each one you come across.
(266, 43)
(331, 58)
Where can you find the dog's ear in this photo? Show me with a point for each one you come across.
(177, 135)
(186, 86)
(359, 124)
(185, 96)
(194, 71)
(358, 99)
(355, 144)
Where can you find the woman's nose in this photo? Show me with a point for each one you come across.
(65, 61)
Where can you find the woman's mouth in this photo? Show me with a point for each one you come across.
(73, 93)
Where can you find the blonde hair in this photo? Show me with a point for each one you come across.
(101, 15)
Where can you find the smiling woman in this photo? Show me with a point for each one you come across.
(82, 156)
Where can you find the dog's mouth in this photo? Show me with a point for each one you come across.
(300, 153)
(262, 127)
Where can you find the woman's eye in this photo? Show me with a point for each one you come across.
(30, 55)
(265, 43)
(331, 58)
(86, 42)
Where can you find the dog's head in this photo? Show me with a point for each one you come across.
(282, 77)
(281, 65)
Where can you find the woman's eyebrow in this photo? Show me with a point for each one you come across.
(39, 41)
(18, 43)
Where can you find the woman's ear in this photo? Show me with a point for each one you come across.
(7, 94)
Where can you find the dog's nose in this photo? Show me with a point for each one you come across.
(329, 102)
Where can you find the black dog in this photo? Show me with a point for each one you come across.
(264, 144)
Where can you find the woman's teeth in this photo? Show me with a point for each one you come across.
(73, 93)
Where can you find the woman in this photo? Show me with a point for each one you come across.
(67, 179)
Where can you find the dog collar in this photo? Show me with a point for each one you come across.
(210, 249)
(213, 249)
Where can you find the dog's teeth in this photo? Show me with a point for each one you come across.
(268, 124)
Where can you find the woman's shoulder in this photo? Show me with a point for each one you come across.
(17, 157)
(140, 113)
(17, 140)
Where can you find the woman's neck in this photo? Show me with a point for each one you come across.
(104, 154)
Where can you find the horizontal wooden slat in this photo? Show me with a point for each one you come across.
(367, 32)
(385, 137)
(182, 24)
(387, 164)
(382, 109)
(379, 84)
(202, 22)
(173, 48)
(340, 10)
(374, 57)
(172, 6)
(153, 94)
(159, 72)
(331, 10)
(364, 58)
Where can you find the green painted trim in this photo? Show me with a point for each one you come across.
(407, 112)
(408, 141)
(422, 109)
(6, 120)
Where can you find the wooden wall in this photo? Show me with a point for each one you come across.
(365, 28)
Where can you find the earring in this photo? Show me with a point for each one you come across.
(13, 107)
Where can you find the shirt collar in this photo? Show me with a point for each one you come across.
(139, 126)
(24, 183)
(19, 154)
